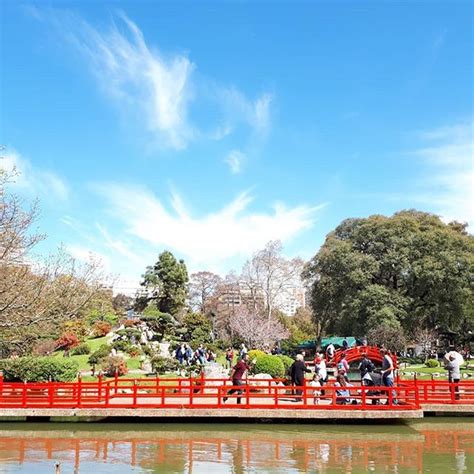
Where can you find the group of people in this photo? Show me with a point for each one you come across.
(187, 356)
(299, 369)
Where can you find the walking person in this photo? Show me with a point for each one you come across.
(237, 375)
(321, 369)
(297, 371)
(229, 357)
(343, 367)
(453, 365)
(388, 372)
(366, 366)
(243, 351)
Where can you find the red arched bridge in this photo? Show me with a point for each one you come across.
(356, 353)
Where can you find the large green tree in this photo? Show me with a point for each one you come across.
(166, 283)
(409, 270)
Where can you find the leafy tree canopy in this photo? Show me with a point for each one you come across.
(166, 282)
(406, 271)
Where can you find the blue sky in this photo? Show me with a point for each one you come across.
(209, 128)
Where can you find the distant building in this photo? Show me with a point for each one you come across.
(292, 299)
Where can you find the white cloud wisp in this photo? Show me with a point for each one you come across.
(33, 180)
(450, 181)
(232, 231)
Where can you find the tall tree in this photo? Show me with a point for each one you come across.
(166, 283)
(202, 287)
(256, 330)
(410, 270)
(36, 295)
(269, 274)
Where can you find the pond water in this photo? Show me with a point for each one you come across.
(428, 445)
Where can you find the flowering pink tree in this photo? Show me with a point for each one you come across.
(255, 329)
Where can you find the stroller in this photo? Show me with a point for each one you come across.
(373, 379)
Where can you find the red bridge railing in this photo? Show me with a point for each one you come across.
(356, 353)
(212, 393)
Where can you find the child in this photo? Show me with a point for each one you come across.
(316, 382)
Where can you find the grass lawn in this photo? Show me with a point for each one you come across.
(424, 372)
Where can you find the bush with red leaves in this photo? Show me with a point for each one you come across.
(67, 341)
(101, 328)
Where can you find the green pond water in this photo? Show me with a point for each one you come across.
(430, 445)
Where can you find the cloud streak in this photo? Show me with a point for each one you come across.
(34, 180)
(155, 89)
(209, 240)
(449, 181)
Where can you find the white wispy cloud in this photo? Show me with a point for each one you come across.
(448, 184)
(234, 159)
(34, 180)
(208, 240)
(238, 107)
(159, 88)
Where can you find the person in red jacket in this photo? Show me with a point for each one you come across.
(237, 375)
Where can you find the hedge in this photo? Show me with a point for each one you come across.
(81, 349)
(162, 364)
(99, 354)
(432, 363)
(287, 362)
(256, 354)
(39, 369)
(270, 364)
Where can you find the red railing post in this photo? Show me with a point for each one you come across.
(191, 391)
(107, 394)
(23, 395)
(135, 390)
(363, 396)
(79, 391)
(116, 382)
(1, 383)
(99, 387)
(247, 395)
(305, 393)
(51, 394)
(417, 394)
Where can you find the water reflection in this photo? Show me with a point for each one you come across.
(422, 446)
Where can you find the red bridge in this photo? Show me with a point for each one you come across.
(356, 353)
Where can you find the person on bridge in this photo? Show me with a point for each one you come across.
(297, 371)
(366, 366)
(237, 375)
(343, 367)
(330, 352)
(387, 372)
(453, 366)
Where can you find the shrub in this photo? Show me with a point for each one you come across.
(39, 369)
(129, 323)
(134, 351)
(67, 341)
(76, 326)
(270, 364)
(101, 328)
(121, 345)
(432, 363)
(256, 354)
(148, 351)
(99, 354)
(287, 362)
(162, 364)
(129, 333)
(44, 348)
(81, 349)
(114, 365)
